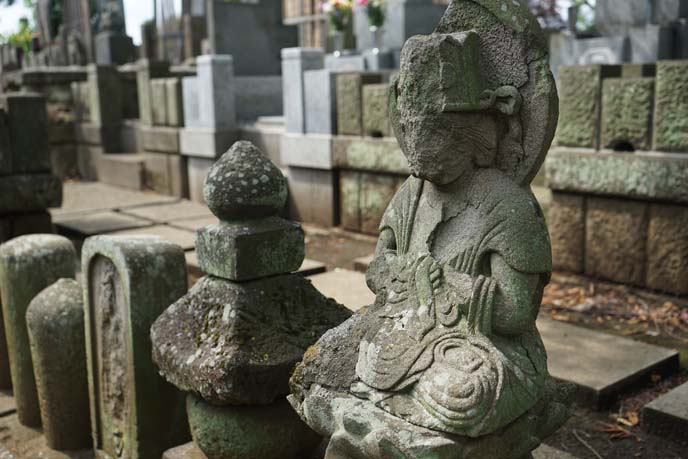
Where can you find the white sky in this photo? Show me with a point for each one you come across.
(136, 11)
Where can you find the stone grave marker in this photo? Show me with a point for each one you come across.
(129, 281)
(28, 264)
(55, 320)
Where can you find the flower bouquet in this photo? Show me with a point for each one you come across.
(375, 10)
(339, 12)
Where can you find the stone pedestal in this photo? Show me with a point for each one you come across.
(237, 357)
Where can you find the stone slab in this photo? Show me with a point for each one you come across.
(369, 154)
(313, 151)
(667, 249)
(122, 170)
(308, 267)
(312, 196)
(350, 101)
(98, 223)
(566, 223)
(671, 106)
(375, 112)
(345, 287)
(197, 171)
(85, 197)
(602, 366)
(294, 62)
(184, 239)
(626, 123)
(667, 415)
(170, 212)
(320, 101)
(642, 175)
(29, 147)
(194, 224)
(163, 139)
(206, 142)
(175, 107)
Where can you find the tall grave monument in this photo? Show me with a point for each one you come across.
(448, 362)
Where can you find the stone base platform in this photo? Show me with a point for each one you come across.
(191, 451)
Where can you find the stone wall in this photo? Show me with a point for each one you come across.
(620, 173)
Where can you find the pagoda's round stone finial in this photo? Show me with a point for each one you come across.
(244, 184)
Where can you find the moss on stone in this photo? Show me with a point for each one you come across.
(627, 113)
(671, 106)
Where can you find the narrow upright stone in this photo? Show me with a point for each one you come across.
(28, 264)
(55, 321)
(128, 283)
(671, 106)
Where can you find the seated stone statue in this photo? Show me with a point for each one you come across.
(449, 359)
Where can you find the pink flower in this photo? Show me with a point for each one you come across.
(363, 2)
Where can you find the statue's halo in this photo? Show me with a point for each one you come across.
(513, 52)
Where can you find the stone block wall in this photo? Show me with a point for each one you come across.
(620, 175)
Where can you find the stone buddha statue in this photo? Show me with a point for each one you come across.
(448, 362)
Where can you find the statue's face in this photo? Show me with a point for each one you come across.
(441, 147)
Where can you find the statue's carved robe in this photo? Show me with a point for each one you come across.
(447, 369)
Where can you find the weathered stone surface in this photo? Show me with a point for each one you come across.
(647, 176)
(175, 107)
(159, 101)
(250, 250)
(350, 200)
(627, 105)
(671, 106)
(29, 147)
(616, 240)
(163, 139)
(28, 264)
(244, 184)
(27, 193)
(580, 102)
(55, 321)
(667, 249)
(186, 451)
(237, 343)
(350, 101)
(667, 415)
(566, 222)
(374, 155)
(447, 363)
(128, 283)
(250, 432)
(313, 196)
(375, 110)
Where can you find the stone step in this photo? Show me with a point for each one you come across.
(601, 365)
(667, 416)
(169, 212)
(84, 225)
(361, 263)
(126, 170)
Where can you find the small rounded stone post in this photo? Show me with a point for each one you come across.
(28, 264)
(55, 320)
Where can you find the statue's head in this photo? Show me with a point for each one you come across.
(445, 118)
